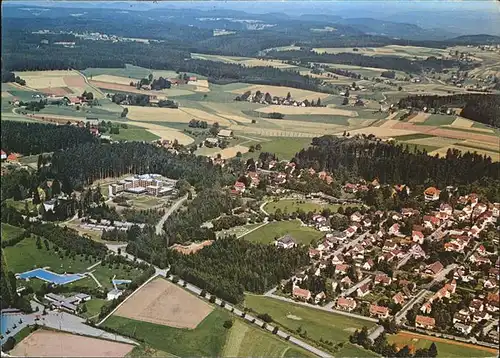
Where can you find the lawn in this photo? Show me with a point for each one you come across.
(267, 233)
(238, 230)
(452, 349)
(9, 231)
(20, 205)
(207, 339)
(22, 334)
(94, 307)
(292, 205)
(283, 148)
(147, 351)
(318, 324)
(350, 350)
(133, 133)
(26, 256)
(104, 274)
(245, 340)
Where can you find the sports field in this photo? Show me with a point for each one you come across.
(206, 340)
(446, 348)
(164, 303)
(268, 233)
(292, 205)
(244, 340)
(43, 343)
(317, 323)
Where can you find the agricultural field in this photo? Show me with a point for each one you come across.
(318, 324)
(283, 148)
(390, 50)
(267, 233)
(134, 133)
(446, 348)
(296, 93)
(207, 339)
(130, 71)
(164, 303)
(44, 343)
(308, 110)
(58, 83)
(244, 340)
(245, 61)
(292, 205)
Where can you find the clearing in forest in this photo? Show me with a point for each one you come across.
(162, 302)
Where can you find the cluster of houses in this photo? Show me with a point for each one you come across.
(362, 246)
(267, 99)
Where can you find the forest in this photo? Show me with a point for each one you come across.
(483, 108)
(113, 160)
(34, 138)
(391, 62)
(369, 159)
(229, 267)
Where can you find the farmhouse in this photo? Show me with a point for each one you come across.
(363, 290)
(286, 242)
(225, 133)
(434, 268)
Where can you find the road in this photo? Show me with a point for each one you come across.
(355, 287)
(402, 313)
(174, 207)
(441, 275)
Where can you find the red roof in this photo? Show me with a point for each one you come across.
(426, 321)
(299, 292)
(346, 302)
(417, 233)
(374, 309)
(3, 153)
(239, 184)
(12, 156)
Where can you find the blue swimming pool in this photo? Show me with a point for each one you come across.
(7, 321)
(119, 282)
(51, 277)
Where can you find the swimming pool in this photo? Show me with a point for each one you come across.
(7, 321)
(119, 282)
(51, 277)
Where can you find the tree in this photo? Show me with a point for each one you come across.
(214, 130)
(228, 323)
(433, 351)
(56, 187)
(345, 101)
(124, 113)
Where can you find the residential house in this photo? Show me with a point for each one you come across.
(389, 245)
(492, 302)
(341, 269)
(286, 242)
(319, 297)
(461, 317)
(407, 212)
(479, 260)
(399, 298)
(446, 209)
(481, 316)
(368, 265)
(425, 322)
(356, 217)
(434, 268)
(426, 308)
(490, 283)
(350, 188)
(350, 231)
(394, 229)
(379, 311)
(383, 279)
(476, 305)
(300, 277)
(346, 304)
(301, 294)
(363, 290)
(225, 133)
(417, 236)
(239, 186)
(464, 329)
(431, 222)
(3, 155)
(339, 235)
(431, 194)
(114, 294)
(314, 253)
(367, 222)
(346, 282)
(417, 252)
(337, 259)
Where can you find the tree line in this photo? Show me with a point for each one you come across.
(483, 108)
(391, 62)
(229, 267)
(391, 163)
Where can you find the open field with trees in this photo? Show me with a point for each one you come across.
(291, 205)
(268, 233)
(9, 231)
(312, 323)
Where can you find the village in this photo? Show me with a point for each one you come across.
(433, 270)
